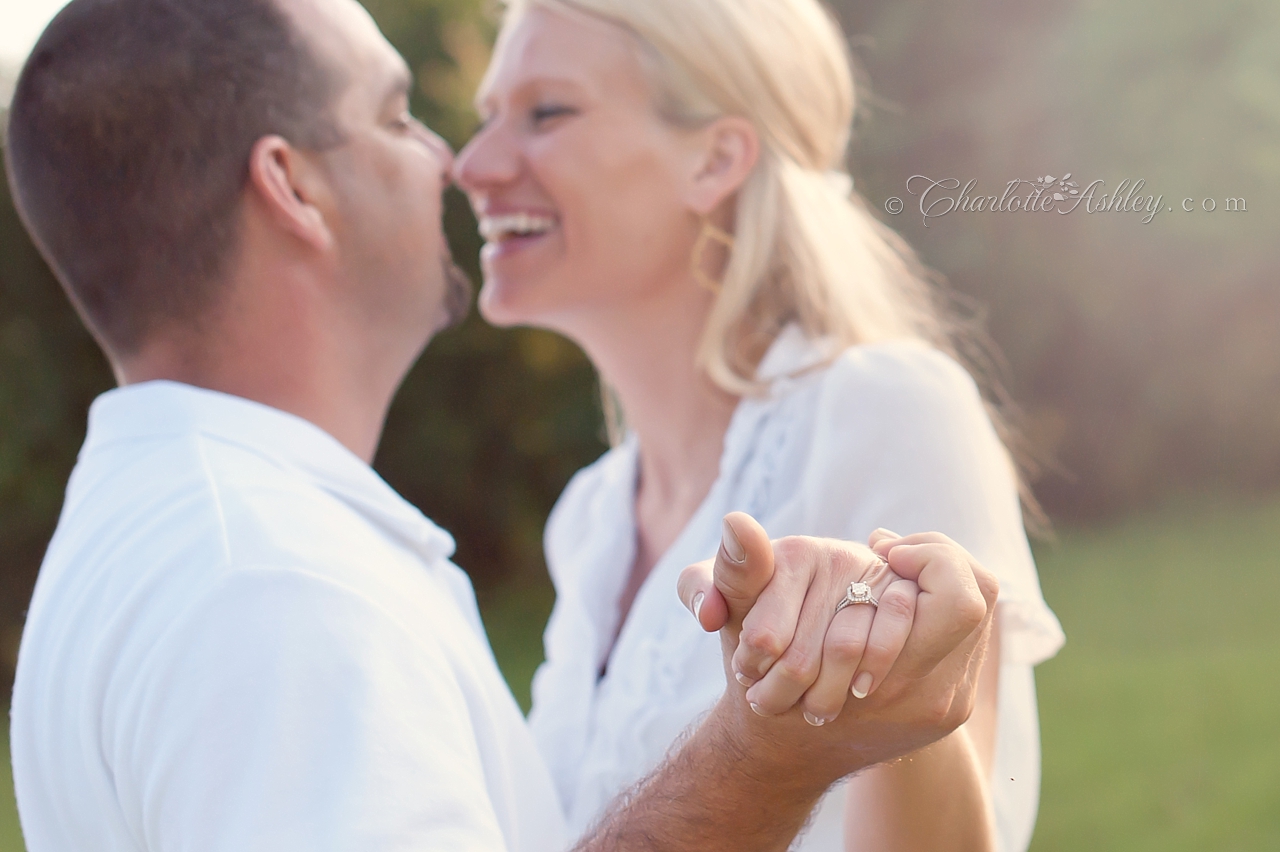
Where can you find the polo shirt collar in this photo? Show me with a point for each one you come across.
(166, 409)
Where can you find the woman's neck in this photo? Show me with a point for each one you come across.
(646, 355)
(679, 418)
(678, 415)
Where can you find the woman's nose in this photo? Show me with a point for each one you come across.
(485, 161)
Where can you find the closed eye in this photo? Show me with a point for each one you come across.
(543, 114)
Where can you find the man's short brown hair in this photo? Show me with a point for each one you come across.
(128, 144)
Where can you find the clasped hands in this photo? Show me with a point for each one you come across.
(911, 663)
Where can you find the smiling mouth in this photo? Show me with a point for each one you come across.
(497, 229)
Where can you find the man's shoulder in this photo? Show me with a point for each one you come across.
(268, 512)
(167, 520)
(191, 488)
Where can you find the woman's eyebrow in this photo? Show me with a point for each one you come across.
(485, 92)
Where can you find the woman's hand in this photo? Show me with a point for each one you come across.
(784, 655)
(785, 642)
(793, 648)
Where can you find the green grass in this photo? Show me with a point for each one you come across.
(1160, 718)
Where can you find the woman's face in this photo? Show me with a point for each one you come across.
(577, 182)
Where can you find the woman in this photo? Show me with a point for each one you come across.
(654, 181)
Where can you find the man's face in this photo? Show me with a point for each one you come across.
(387, 177)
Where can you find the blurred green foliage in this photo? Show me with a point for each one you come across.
(1146, 356)
(50, 370)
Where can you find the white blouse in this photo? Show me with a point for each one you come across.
(886, 435)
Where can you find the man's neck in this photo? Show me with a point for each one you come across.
(332, 386)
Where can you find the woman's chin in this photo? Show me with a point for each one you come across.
(505, 303)
(554, 301)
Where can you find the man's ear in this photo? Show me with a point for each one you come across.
(729, 149)
(291, 190)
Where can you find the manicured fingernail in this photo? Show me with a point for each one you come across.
(862, 685)
(816, 721)
(743, 679)
(755, 708)
(732, 547)
(889, 533)
(697, 604)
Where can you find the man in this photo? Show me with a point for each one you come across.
(242, 638)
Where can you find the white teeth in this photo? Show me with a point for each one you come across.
(498, 228)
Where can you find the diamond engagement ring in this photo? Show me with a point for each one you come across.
(858, 593)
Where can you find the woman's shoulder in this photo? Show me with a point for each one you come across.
(836, 415)
(904, 372)
(899, 392)
(897, 433)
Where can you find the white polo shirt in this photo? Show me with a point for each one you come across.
(243, 639)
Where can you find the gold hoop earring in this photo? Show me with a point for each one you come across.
(709, 232)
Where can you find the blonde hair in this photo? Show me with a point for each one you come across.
(807, 249)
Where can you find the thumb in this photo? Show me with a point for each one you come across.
(743, 567)
(720, 592)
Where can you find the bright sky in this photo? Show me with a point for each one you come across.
(21, 22)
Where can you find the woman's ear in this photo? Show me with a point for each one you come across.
(290, 190)
(729, 148)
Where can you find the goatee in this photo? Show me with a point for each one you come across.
(457, 293)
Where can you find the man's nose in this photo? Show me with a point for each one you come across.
(441, 149)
